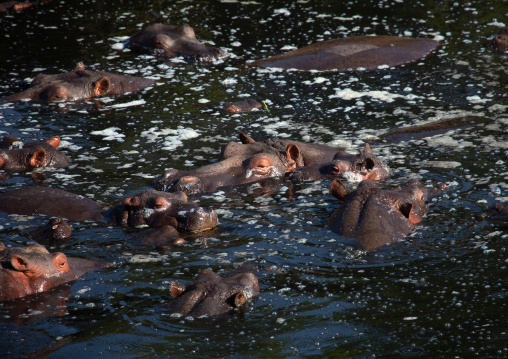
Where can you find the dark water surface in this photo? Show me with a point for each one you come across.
(440, 293)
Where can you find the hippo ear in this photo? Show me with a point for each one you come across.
(2, 247)
(101, 87)
(60, 262)
(38, 158)
(294, 156)
(240, 299)
(406, 210)
(338, 190)
(366, 149)
(176, 288)
(21, 263)
(245, 139)
(53, 141)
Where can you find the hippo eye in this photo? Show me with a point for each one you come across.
(262, 163)
(160, 202)
(62, 264)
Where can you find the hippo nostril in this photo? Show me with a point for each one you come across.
(368, 164)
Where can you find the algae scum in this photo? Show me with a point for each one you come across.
(440, 293)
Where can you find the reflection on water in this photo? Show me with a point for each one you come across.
(441, 292)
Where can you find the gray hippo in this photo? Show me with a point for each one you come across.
(351, 53)
(173, 41)
(79, 84)
(211, 295)
(375, 217)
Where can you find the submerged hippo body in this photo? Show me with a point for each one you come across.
(345, 165)
(32, 269)
(18, 155)
(498, 213)
(244, 163)
(375, 217)
(500, 41)
(148, 208)
(351, 53)
(211, 295)
(173, 41)
(79, 84)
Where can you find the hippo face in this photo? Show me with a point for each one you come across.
(211, 295)
(156, 209)
(18, 155)
(174, 41)
(232, 171)
(355, 168)
(500, 41)
(32, 269)
(79, 84)
(57, 229)
(29, 270)
(375, 217)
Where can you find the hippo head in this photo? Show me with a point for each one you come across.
(174, 41)
(359, 167)
(156, 209)
(500, 41)
(210, 294)
(32, 269)
(78, 89)
(18, 155)
(269, 164)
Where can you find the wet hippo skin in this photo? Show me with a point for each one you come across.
(173, 41)
(18, 155)
(211, 295)
(351, 53)
(32, 269)
(375, 217)
(245, 162)
(79, 84)
(345, 165)
(148, 208)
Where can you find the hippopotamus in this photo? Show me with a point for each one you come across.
(20, 6)
(434, 128)
(173, 41)
(241, 106)
(243, 163)
(148, 208)
(211, 295)
(18, 155)
(79, 84)
(498, 213)
(500, 41)
(32, 269)
(374, 217)
(57, 229)
(345, 165)
(351, 53)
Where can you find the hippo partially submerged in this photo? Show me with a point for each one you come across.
(173, 41)
(148, 208)
(211, 295)
(79, 84)
(244, 163)
(18, 155)
(32, 269)
(374, 216)
(351, 53)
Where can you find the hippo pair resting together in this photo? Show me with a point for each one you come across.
(251, 161)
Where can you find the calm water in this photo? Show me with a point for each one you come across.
(440, 293)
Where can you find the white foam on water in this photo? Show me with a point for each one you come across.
(128, 104)
(349, 94)
(110, 134)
